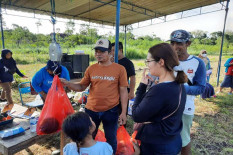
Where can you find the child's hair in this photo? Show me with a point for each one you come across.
(165, 51)
(77, 126)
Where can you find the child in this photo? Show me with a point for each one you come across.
(7, 69)
(80, 127)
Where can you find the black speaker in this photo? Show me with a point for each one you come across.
(68, 65)
(67, 58)
(76, 64)
(80, 62)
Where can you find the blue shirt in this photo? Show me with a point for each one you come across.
(42, 80)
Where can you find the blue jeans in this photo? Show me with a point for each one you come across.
(110, 123)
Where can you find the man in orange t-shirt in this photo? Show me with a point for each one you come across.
(108, 82)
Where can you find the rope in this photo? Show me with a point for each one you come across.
(53, 20)
(52, 2)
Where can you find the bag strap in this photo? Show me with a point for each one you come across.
(173, 111)
(177, 106)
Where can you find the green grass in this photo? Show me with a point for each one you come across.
(136, 49)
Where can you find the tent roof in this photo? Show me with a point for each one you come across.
(104, 11)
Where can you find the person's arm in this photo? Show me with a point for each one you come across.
(141, 90)
(123, 84)
(43, 94)
(19, 73)
(81, 86)
(17, 70)
(199, 81)
(37, 81)
(74, 86)
(147, 105)
(144, 104)
(132, 86)
(124, 102)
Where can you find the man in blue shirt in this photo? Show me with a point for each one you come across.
(43, 79)
(195, 70)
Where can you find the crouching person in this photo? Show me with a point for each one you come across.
(43, 79)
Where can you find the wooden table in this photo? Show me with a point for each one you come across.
(19, 142)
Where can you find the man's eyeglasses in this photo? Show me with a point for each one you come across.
(147, 62)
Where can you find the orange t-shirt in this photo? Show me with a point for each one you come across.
(105, 84)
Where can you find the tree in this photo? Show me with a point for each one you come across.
(88, 35)
(229, 36)
(20, 34)
(215, 35)
(70, 27)
(199, 34)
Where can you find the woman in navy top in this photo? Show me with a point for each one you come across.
(160, 109)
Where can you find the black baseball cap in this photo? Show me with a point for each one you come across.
(103, 45)
(52, 65)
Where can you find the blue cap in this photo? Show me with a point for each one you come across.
(180, 36)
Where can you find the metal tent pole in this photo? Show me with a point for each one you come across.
(125, 38)
(3, 43)
(118, 8)
(223, 33)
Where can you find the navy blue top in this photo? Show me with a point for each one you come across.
(8, 68)
(151, 106)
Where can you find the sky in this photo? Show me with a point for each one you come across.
(210, 22)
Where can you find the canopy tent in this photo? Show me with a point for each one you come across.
(112, 12)
(104, 11)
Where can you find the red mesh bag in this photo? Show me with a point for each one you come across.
(100, 136)
(56, 108)
(82, 98)
(124, 145)
(134, 138)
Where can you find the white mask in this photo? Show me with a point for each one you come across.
(204, 55)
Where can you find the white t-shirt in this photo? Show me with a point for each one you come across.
(194, 68)
(100, 148)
